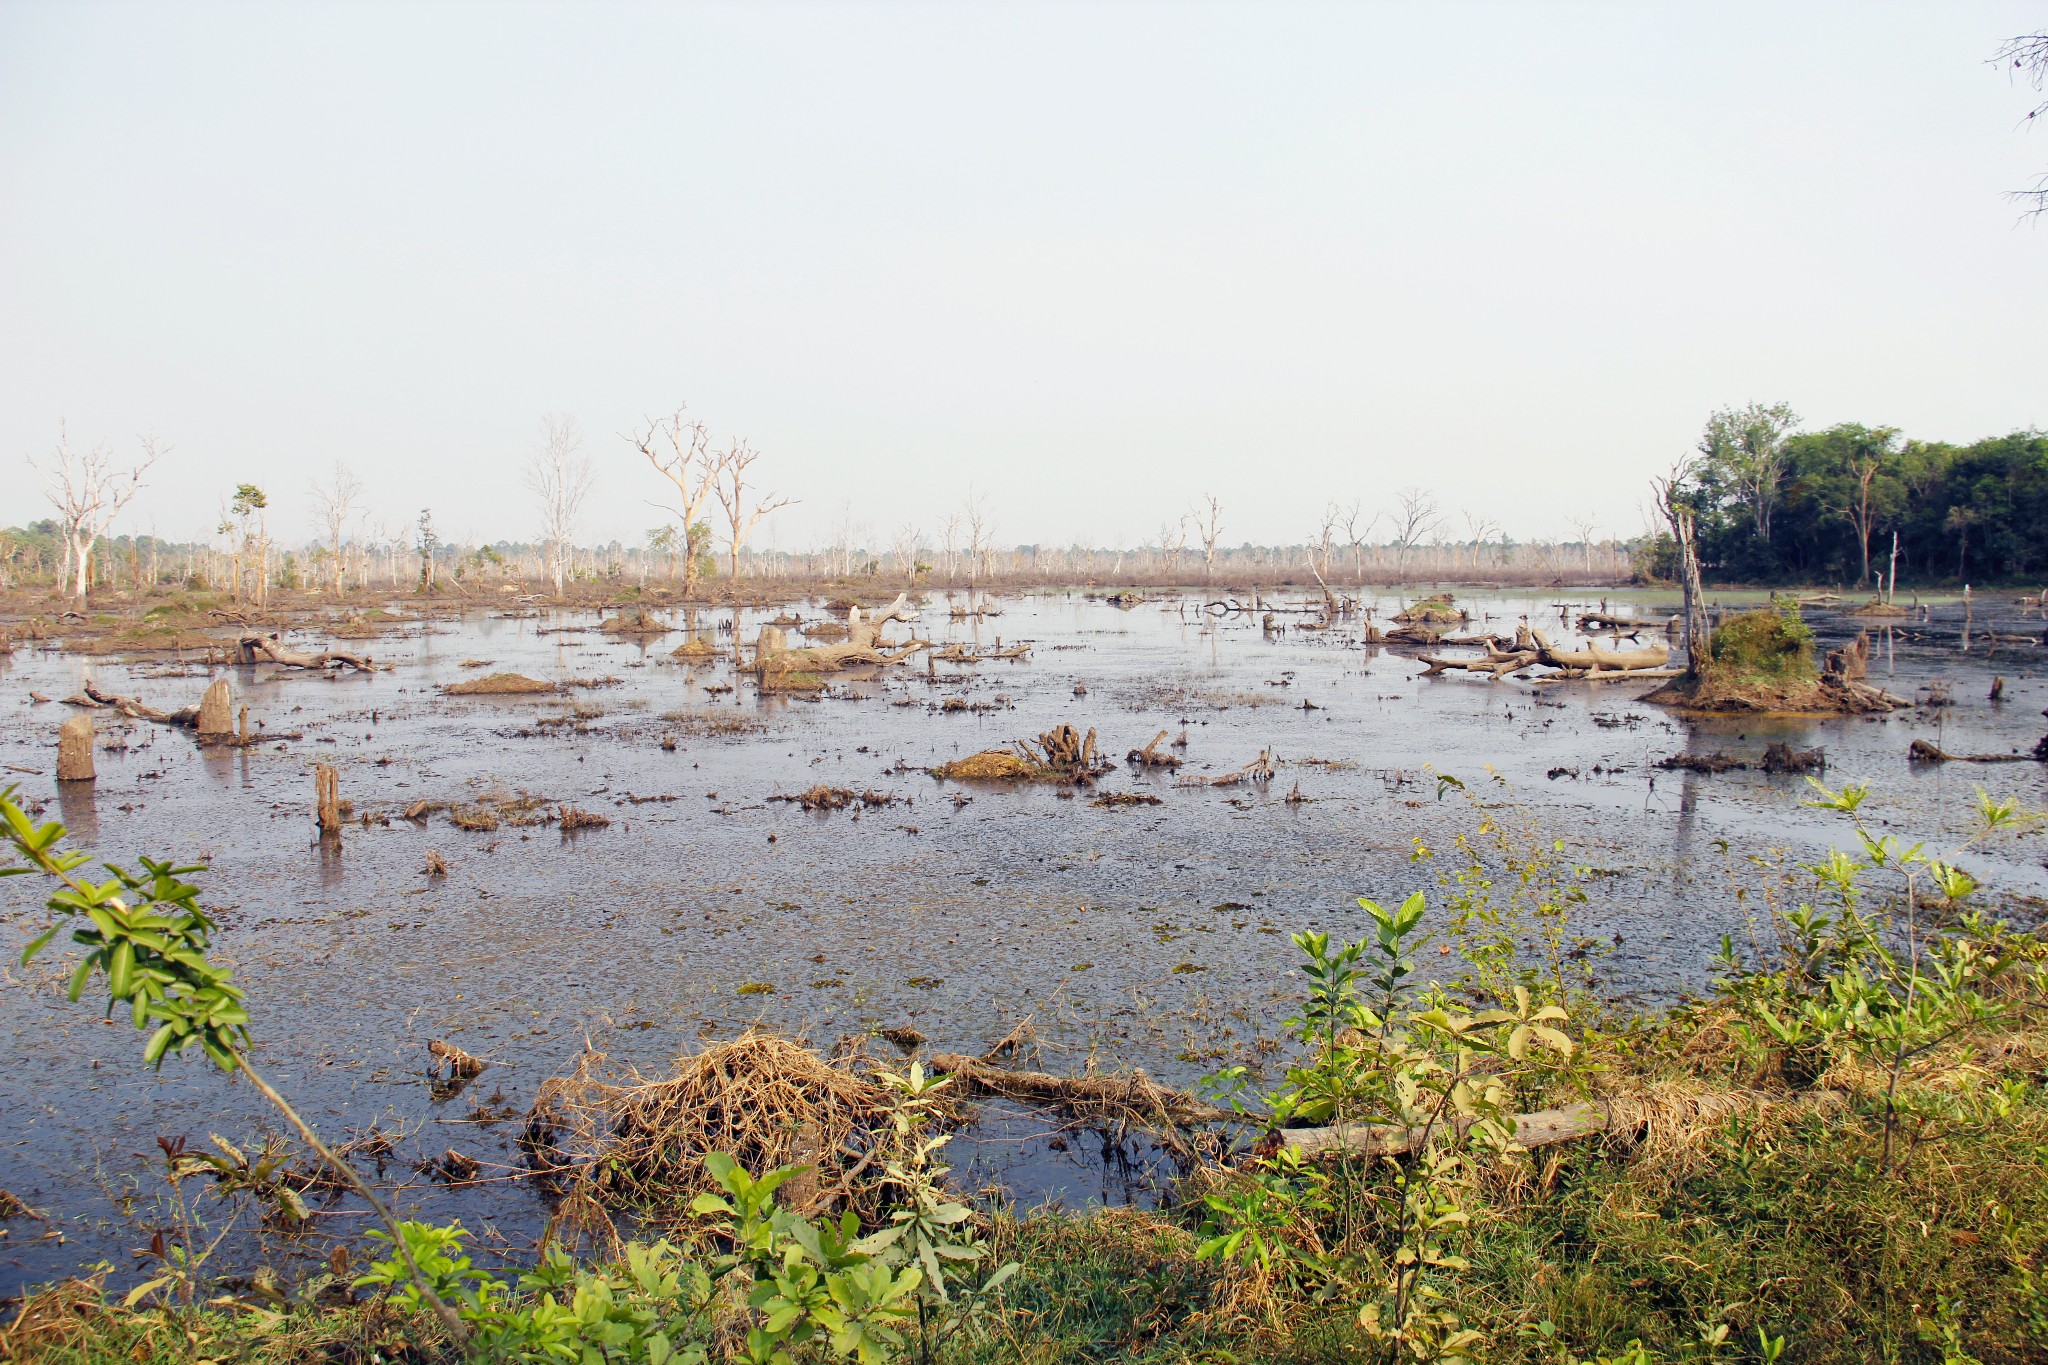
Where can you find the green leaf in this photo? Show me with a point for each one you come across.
(40, 941)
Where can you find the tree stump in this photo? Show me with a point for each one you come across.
(327, 800)
(217, 713)
(74, 750)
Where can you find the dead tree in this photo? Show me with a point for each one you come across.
(1678, 515)
(559, 475)
(1207, 519)
(1415, 516)
(88, 493)
(679, 448)
(730, 487)
(335, 500)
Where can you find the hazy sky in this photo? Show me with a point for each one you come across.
(1094, 260)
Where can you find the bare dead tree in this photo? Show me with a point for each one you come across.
(903, 546)
(1482, 529)
(742, 512)
(1678, 515)
(980, 532)
(1173, 538)
(1582, 524)
(334, 501)
(1357, 530)
(680, 451)
(88, 492)
(559, 474)
(1207, 519)
(2027, 55)
(1415, 516)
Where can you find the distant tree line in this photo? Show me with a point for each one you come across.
(1777, 504)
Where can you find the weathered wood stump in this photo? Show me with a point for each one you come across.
(327, 801)
(217, 713)
(74, 750)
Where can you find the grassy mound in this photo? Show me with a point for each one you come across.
(500, 685)
(1764, 648)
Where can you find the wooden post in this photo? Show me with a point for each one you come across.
(216, 713)
(74, 750)
(327, 798)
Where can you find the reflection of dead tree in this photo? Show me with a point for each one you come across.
(680, 451)
(731, 487)
(1208, 525)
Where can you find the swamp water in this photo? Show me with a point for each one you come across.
(1151, 935)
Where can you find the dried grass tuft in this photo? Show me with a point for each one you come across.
(499, 685)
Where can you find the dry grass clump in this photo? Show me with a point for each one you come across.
(763, 1099)
(995, 765)
(499, 685)
(1061, 754)
(488, 812)
(694, 649)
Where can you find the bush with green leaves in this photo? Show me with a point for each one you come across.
(1381, 1237)
(1878, 987)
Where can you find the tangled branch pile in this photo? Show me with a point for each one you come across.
(764, 1100)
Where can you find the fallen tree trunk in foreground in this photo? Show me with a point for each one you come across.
(1135, 1095)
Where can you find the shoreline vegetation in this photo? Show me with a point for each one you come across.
(1835, 1155)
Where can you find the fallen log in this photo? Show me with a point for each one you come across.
(1497, 662)
(1598, 658)
(187, 716)
(1258, 772)
(1924, 751)
(271, 646)
(1540, 1129)
(1134, 1098)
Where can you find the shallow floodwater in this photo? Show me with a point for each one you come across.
(1153, 936)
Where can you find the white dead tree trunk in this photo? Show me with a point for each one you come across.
(1207, 520)
(680, 451)
(335, 500)
(88, 493)
(559, 475)
(742, 512)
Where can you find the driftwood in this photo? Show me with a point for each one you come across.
(1540, 1129)
(1151, 757)
(1497, 662)
(1135, 1097)
(74, 750)
(777, 664)
(1258, 772)
(1599, 659)
(253, 648)
(91, 697)
(1923, 751)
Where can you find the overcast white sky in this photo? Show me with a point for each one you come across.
(1094, 259)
